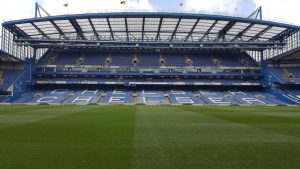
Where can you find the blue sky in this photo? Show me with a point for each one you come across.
(278, 10)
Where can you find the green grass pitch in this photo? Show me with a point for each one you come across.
(149, 137)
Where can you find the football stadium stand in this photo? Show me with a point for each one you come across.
(149, 58)
(176, 97)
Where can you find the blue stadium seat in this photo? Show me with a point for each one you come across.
(175, 60)
(183, 97)
(51, 97)
(151, 100)
(118, 97)
(216, 98)
(8, 78)
(84, 97)
(94, 58)
(249, 98)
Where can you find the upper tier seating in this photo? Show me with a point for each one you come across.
(174, 60)
(67, 58)
(203, 60)
(95, 58)
(147, 59)
(121, 60)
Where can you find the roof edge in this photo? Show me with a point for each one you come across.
(153, 14)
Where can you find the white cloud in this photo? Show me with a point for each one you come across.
(55, 7)
(214, 6)
(16, 9)
(278, 10)
(281, 10)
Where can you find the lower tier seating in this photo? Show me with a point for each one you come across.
(195, 97)
(7, 77)
(290, 75)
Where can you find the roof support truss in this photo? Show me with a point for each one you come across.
(175, 31)
(239, 35)
(159, 28)
(283, 34)
(19, 32)
(40, 31)
(192, 30)
(150, 29)
(260, 33)
(143, 28)
(209, 30)
(94, 30)
(38, 9)
(224, 31)
(59, 30)
(126, 26)
(257, 14)
(77, 28)
(110, 29)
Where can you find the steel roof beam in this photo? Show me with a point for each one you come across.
(40, 31)
(283, 34)
(224, 31)
(209, 30)
(260, 33)
(110, 29)
(159, 28)
(58, 29)
(126, 26)
(239, 35)
(77, 28)
(143, 28)
(94, 29)
(192, 30)
(18, 31)
(175, 31)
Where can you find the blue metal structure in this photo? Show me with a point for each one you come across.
(151, 30)
(265, 41)
(123, 29)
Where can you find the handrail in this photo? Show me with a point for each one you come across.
(153, 67)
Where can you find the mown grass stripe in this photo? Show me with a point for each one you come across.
(98, 137)
(275, 120)
(176, 137)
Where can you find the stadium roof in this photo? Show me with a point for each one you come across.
(148, 27)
